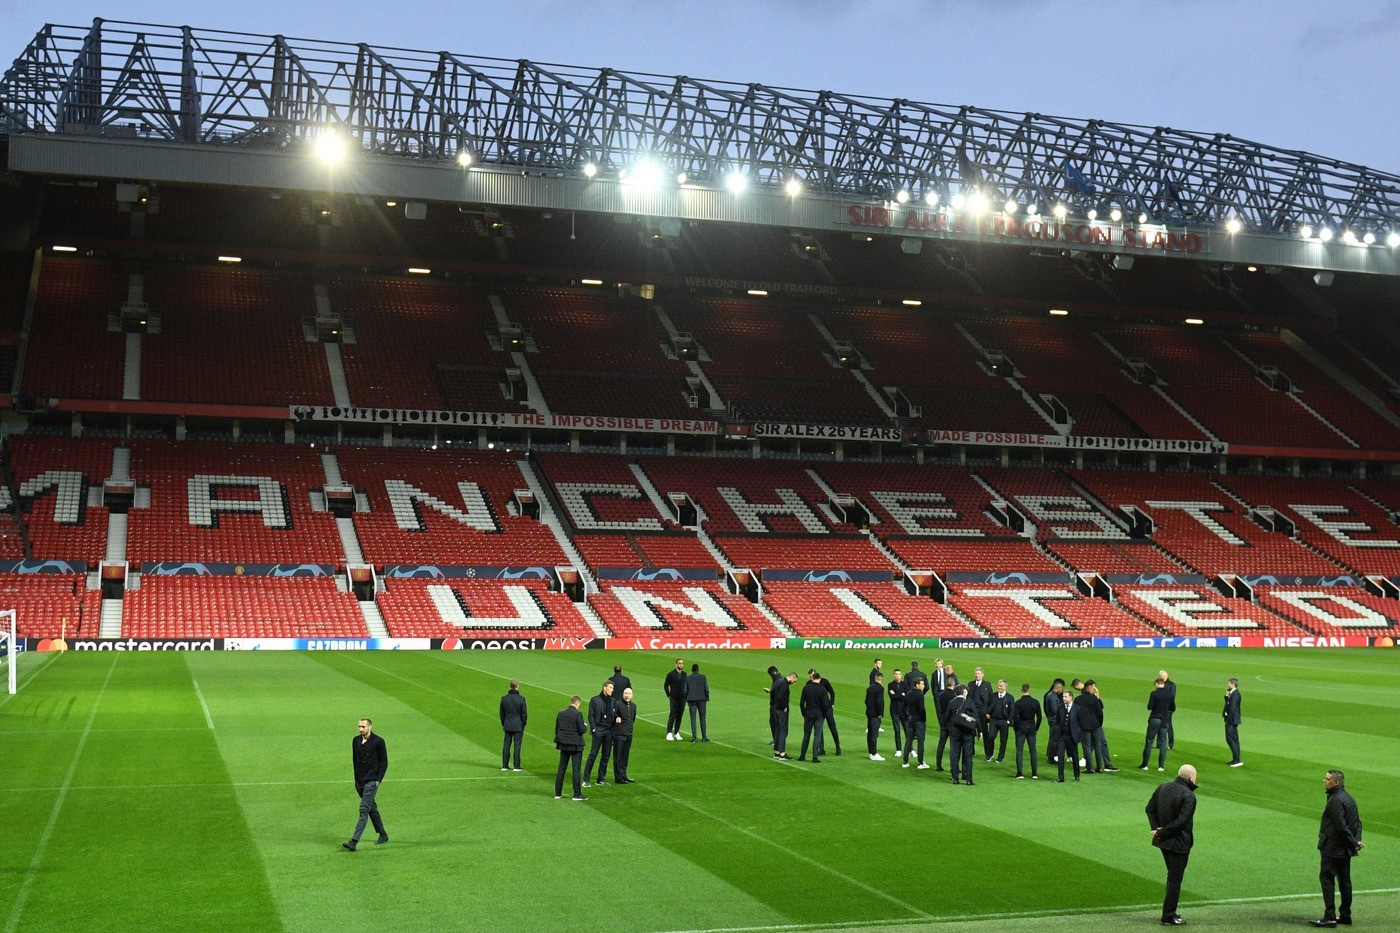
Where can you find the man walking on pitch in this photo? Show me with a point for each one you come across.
(874, 714)
(600, 720)
(1171, 815)
(697, 697)
(1231, 716)
(1028, 719)
(370, 758)
(1338, 839)
(568, 738)
(514, 715)
(624, 721)
(675, 692)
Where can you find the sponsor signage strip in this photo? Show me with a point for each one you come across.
(503, 419)
(877, 643)
(1018, 643)
(826, 432)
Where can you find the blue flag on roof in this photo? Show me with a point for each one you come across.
(1077, 181)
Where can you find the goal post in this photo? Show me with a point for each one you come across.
(9, 632)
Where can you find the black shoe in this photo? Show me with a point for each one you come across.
(940, 767)
(351, 845)
(1325, 923)
(838, 749)
(816, 761)
(801, 757)
(1110, 770)
(383, 838)
(956, 781)
(1343, 921)
(968, 783)
(1059, 780)
(1076, 780)
(580, 797)
(1173, 921)
(1020, 777)
(692, 740)
(704, 740)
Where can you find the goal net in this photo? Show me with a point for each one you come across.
(9, 646)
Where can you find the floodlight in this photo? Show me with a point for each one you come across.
(1093, 214)
(589, 170)
(490, 445)
(912, 303)
(1348, 236)
(646, 174)
(1369, 238)
(418, 270)
(591, 281)
(1306, 232)
(1142, 218)
(391, 203)
(758, 293)
(793, 187)
(1233, 225)
(464, 158)
(736, 182)
(682, 178)
(1325, 234)
(1061, 211)
(1059, 312)
(1011, 206)
(902, 196)
(932, 198)
(329, 147)
(1194, 320)
(1393, 240)
(65, 249)
(1115, 215)
(1252, 268)
(958, 202)
(1033, 209)
(977, 203)
(230, 259)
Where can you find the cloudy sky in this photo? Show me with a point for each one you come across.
(1296, 74)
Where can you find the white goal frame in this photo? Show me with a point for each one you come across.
(11, 643)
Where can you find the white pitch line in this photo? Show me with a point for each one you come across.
(1011, 915)
(23, 898)
(202, 705)
(39, 666)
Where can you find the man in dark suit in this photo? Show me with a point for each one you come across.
(697, 697)
(1090, 721)
(915, 675)
(1232, 721)
(1051, 704)
(774, 675)
(950, 679)
(624, 722)
(600, 718)
(1171, 692)
(514, 715)
(940, 707)
(569, 731)
(963, 737)
(620, 681)
(940, 678)
(370, 758)
(877, 670)
(1338, 839)
(979, 694)
(1026, 715)
(916, 722)
(1001, 712)
(1171, 815)
(675, 692)
(897, 691)
(1101, 739)
(1065, 732)
(1159, 723)
(831, 716)
(778, 703)
(874, 714)
(814, 704)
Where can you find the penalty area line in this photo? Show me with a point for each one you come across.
(202, 705)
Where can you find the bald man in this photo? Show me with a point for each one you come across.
(1171, 814)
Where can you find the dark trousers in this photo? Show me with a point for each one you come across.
(1090, 738)
(512, 738)
(915, 733)
(1066, 748)
(808, 727)
(999, 731)
(1052, 743)
(369, 811)
(964, 750)
(1022, 740)
(568, 756)
(673, 721)
(1171, 735)
(1157, 732)
(1176, 870)
(986, 730)
(1232, 739)
(601, 743)
(897, 727)
(773, 726)
(944, 735)
(835, 736)
(1101, 747)
(693, 708)
(872, 732)
(622, 750)
(1338, 871)
(780, 730)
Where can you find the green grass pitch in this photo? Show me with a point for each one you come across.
(124, 805)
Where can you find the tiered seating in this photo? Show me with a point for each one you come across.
(446, 539)
(605, 550)
(1333, 610)
(14, 286)
(956, 393)
(758, 483)
(474, 388)
(240, 607)
(1220, 389)
(51, 539)
(620, 506)
(1352, 517)
(1360, 361)
(680, 610)
(1200, 610)
(1064, 359)
(405, 328)
(1060, 612)
(11, 540)
(943, 557)
(1231, 544)
(218, 326)
(411, 610)
(167, 531)
(47, 605)
(1320, 392)
(818, 610)
(1115, 557)
(682, 551)
(71, 353)
(762, 552)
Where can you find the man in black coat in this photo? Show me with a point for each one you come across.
(1026, 715)
(1000, 714)
(569, 731)
(1051, 704)
(830, 717)
(1064, 733)
(778, 702)
(916, 722)
(624, 721)
(814, 703)
(1171, 692)
(620, 681)
(1171, 815)
(1338, 839)
(675, 692)
(600, 718)
(940, 707)
(774, 675)
(514, 716)
(963, 737)
(897, 690)
(1090, 716)
(979, 694)
(877, 670)
(697, 698)
(915, 675)
(370, 758)
(1231, 716)
(874, 714)
(1160, 707)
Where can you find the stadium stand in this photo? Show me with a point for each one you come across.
(1042, 611)
(239, 607)
(49, 605)
(1200, 610)
(819, 610)
(53, 477)
(14, 288)
(420, 608)
(679, 609)
(71, 352)
(1332, 610)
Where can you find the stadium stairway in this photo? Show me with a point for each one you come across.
(374, 619)
(111, 619)
(1293, 395)
(335, 361)
(1162, 393)
(550, 519)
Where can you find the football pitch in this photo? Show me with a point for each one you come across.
(212, 791)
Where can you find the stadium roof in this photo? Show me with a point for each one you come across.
(209, 88)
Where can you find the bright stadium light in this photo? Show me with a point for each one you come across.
(912, 303)
(1061, 211)
(1142, 218)
(1033, 210)
(957, 202)
(1393, 240)
(1059, 312)
(1369, 239)
(1115, 215)
(230, 259)
(329, 147)
(1233, 225)
(65, 249)
(1306, 232)
(1011, 206)
(645, 174)
(464, 158)
(932, 198)
(977, 203)
(590, 281)
(736, 182)
(682, 178)
(1348, 236)
(1325, 234)
(757, 293)
(793, 187)
(902, 196)
(589, 170)
(1092, 215)
(419, 270)
(1194, 320)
